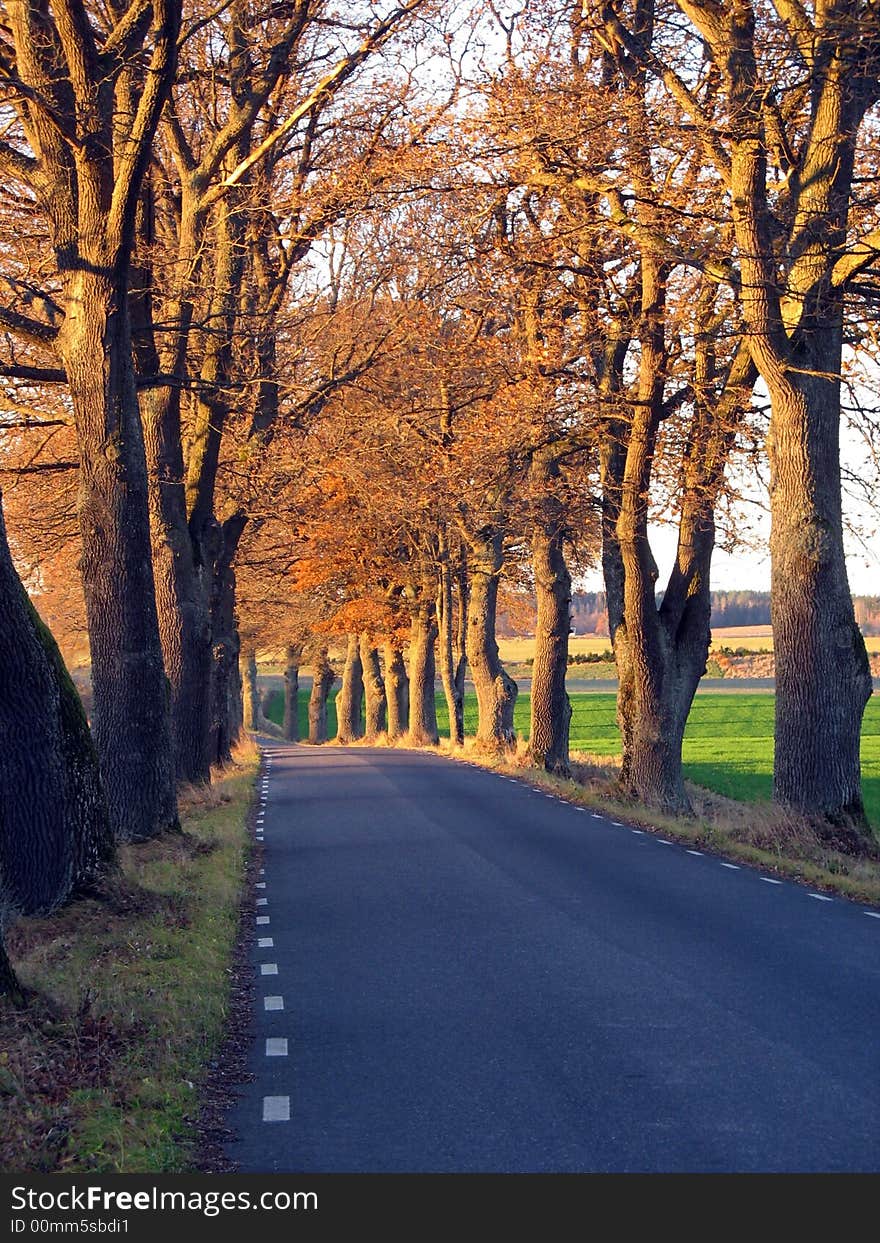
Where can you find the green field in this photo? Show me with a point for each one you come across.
(728, 746)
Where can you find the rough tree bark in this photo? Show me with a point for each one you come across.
(452, 662)
(181, 567)
(226, 704)
(250, 694)
(423, 730)
(496, 690)
(375, 723)
(55, 829)
(323, 678)
(396, 692)
(290, 726)
(550, 706)
(350, 700)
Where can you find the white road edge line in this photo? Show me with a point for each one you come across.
(820, 897)
(768, 880)
(265, 943)
(276, 1046)
(273, 1003)
(268, 968)
(734, 867)
(698, 853)
(872, 915)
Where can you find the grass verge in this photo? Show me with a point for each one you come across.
(129, 995)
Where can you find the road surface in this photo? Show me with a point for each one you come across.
(456, 972)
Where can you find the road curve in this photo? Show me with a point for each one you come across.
(456, 972)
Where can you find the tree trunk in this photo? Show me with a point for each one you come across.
(323, 678)
(9, 983)
(550, 706)
(181, 569)
(290, 727)
(131, 711)
(235, 698)
(612, 462)
(422, 703)
(55, 830)
(496, 690)
(182, 598)
(396, 692)
(451, 671)
(350, 699)
(823, 679)
(250, 694)
(226, 689)
(374, 691)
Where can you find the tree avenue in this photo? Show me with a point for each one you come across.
(324, 336)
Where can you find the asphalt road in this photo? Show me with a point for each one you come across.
(456, 972)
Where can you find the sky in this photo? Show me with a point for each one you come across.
(747, 568)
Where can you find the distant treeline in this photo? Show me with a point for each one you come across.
(729, 608)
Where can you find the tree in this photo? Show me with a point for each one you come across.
(323, 678)
(654, 355)
(255, 170)
(87, 95)
(780, 108)
(374, 690)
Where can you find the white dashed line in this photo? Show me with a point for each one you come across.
(734, 867)
(698, 853)
(872, 915)
(595, 815)
(268, 968)
(638, 832)
(664, 841)
(820, 897)
(262, 871)
(261, 884)
(273, 1003)
(266, 943)
(618, 825)
(276, 1108)
(262, 901)
(262, 919)
(768, 880)
(276, 1046)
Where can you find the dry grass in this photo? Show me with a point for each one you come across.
(768, 837)
(753, 638)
